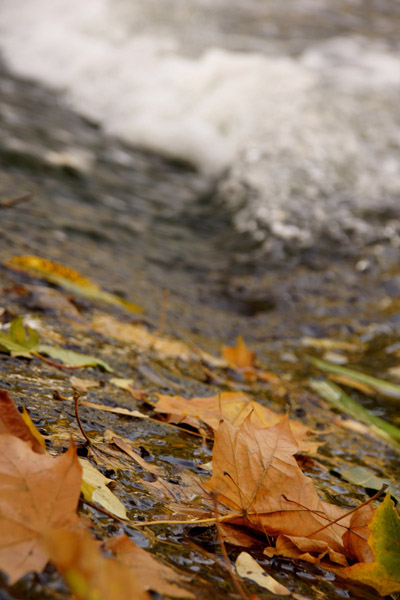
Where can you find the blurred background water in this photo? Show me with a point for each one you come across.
(292, 108)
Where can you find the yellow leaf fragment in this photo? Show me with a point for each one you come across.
(36, 434)
(94, 488)
(249, 568)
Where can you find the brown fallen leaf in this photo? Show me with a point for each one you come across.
(114, 409)
(83, 385)
(313, 551)
(242, 359)
(356, 538)
(141, 337)
(37, 492)
(150, 573)
(12, 422)
(125, 447)
(234, 407)
(256, 475)
(89, 574)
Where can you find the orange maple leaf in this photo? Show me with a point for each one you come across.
(255, 474)
(37, 492)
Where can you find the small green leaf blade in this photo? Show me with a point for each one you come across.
(73, 359)
(20, 341)
(384, 573)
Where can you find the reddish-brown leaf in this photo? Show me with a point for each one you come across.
(356, 538)
(37, 492)
(12, 422)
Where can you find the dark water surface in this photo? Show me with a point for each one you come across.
(138, 225)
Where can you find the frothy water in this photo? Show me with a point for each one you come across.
(305, 147)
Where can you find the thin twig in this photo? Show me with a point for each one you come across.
(374, 497)
(14, 201)
(243, 594)
(76, 404)
(163, 312)
(54, 364)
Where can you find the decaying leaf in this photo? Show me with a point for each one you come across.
(68, 279)
(234, 407)
(141, 337)
(383, 573)
(83, 385)
(73, 359)
(37, 492)
(256, 475)
(20, 340)
(151, 574)
(89, 574)
(123, 384)
(249, 568)
(114, 409)
(12, 422)
(366, 478)
(94, 488)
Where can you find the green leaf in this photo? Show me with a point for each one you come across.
(384, 573)
(365, 478)
(336, 396)
(379, 385)
(20, 341)
(73, 359)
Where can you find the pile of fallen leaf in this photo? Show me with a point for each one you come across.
(257, 489)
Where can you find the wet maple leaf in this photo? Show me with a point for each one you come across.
(12, 422)
(383, 573)
(37, 492)
(151, 574)
(255, 474)
(87, 572)
(234, 407)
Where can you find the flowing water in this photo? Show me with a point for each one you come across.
(244, 156)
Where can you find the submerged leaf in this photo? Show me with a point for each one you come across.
(383, 573)
(73, 359)
(366, 478)
(67, 278)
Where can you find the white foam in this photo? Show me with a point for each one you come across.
(295, 130)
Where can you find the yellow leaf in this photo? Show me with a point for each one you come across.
(94, 488)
